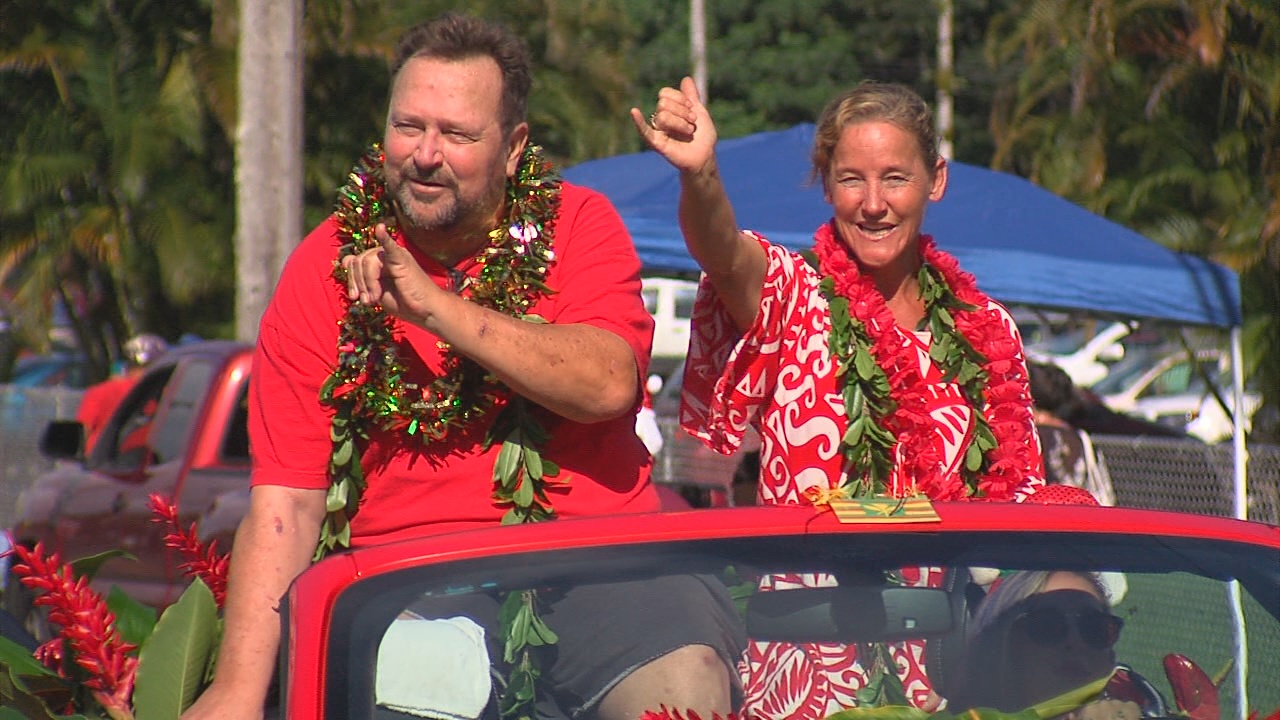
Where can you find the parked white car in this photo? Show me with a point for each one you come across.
(670, 302)
(1086, 359)
(1173, 391)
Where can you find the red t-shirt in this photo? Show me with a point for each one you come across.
(606, 468)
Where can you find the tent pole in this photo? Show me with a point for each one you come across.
(1240, 453)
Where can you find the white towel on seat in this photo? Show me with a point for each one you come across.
(435, 669)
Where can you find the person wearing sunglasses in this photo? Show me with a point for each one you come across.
(1037, 635)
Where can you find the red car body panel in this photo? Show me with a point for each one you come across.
(313, 595)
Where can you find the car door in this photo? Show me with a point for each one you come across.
(141, 451)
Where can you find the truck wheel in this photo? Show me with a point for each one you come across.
(19, 604)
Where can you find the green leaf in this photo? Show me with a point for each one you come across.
(342, 451)
(853, 434)
(886, 713)
(505, 469)
(968, 371)
(336, 499)
(87, 567)
(973, 457)
(171, 666)
(940, 349)
(9, 713)
(1070, 700)
(18, 660)
(532, 463)
(134, 621)
(523, 495)
(864, 363)
(892, 692)
(511, 604)
(945, 317)
(541, 633)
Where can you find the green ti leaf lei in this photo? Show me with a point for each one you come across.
(868, 442)
(367, 390)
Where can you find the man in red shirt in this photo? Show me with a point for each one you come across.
(450, 239)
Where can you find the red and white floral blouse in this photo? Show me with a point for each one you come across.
(780, 379)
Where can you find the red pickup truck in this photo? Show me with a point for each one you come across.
(180, 432)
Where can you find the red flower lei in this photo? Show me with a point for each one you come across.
(965, 333)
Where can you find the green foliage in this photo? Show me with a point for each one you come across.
(772, 65)
(108, 171)
(1165, 117)
(173, 663)
(523, 630)
(135, 621)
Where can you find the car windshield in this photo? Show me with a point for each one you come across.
(1140, 612)
(1124, 373)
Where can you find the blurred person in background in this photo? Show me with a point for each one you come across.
(1039, 634)
(1068, 452)
(99, 401)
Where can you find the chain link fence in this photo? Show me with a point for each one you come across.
(1190, 476)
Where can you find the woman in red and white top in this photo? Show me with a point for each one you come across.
(877, 369)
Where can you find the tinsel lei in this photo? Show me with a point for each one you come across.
(367, 389)
(883, 393)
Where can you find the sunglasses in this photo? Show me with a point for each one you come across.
(1050, 626)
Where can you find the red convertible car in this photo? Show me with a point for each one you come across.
(1053, 607)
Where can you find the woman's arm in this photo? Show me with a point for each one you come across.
(681, 130)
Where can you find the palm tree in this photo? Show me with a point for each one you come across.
(1169, 114)
(112, 192)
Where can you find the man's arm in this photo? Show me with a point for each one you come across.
(580, 372)
(577, 371)
(273, 545)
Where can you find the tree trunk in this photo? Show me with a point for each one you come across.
(945, 75)
(268, 152)
(698, 46)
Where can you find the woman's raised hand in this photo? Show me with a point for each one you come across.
(680, 128)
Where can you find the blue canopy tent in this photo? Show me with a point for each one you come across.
(1025, 245)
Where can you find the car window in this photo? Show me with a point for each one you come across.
(128, 438)
(1124, 374)
(1172, 381)
(170, 437)
(685, 297)
(235, 444)
(1183, 378)
(650, 295)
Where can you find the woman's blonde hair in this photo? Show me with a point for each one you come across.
(873, 101)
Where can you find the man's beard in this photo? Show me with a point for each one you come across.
(450, 212)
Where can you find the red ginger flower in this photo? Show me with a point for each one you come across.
(87, 626)
(202, 561)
